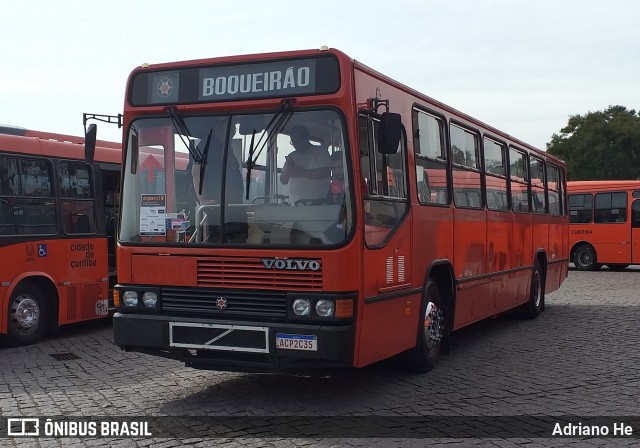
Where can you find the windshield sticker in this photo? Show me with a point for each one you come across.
(153, 214)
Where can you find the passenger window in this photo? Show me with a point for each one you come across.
(35, 217)
(467, 188)
(580, 208)
(519, 181)
(432, 176)
(610, 208)
(536, 174)
(553, 190)
(35, 177)
(7, 226)
(495, 175)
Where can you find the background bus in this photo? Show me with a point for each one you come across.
(57, 224)
(604, 223)
(443, 220)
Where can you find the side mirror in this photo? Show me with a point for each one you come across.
(90, 143)
(389, 133)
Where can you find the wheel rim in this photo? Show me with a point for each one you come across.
(25, 312)
(432, 326)
(537, 288)
(585, 258)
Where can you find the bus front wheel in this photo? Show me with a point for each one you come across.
(423, 357)
(27, 315)
(584, 258)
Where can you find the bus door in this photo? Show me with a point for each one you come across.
(635, 228)
(388, 299)
(612, 234)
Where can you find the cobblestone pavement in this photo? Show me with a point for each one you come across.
(579, 358)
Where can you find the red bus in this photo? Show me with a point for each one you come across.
(604, 223)
(55, 212)
(442, 221)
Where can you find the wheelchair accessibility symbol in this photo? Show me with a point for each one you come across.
(42, 250)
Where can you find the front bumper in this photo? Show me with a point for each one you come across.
(233, 345)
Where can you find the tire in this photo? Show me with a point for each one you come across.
(28, 318)
(431, 329)
(534, 307)
(617, 267)
(584, 258)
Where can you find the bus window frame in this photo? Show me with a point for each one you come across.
(526, 182)
(446, 163)
(505, 177)
(477, 169)
(66, 199)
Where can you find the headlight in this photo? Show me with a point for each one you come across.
(324, 308)
(149, 299)
(130, 298)
(301, 307)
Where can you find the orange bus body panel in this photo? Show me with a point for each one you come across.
(615, 243)
(73, 266)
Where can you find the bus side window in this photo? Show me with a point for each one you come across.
(635, 214)
(7, 226)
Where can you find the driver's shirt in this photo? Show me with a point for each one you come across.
(304, 187)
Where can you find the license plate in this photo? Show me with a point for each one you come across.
(297, 342)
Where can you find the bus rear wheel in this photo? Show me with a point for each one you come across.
(584, 258)
(27, 315)
(424, 356)
(535, 305)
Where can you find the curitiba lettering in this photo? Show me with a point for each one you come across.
(257, 82)
(88, 258)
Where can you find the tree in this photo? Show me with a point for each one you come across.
(600, 145)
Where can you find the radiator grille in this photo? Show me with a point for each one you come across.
(246, 272)
(238, 303)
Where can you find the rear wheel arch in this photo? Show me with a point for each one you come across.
(441, 271)
(35, 294)
(541, 260)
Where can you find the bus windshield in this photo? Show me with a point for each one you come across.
(275, 179)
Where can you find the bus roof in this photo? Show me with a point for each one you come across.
(345, 59)
(602, 185)
(19, 140)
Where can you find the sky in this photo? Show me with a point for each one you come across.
(521, 66)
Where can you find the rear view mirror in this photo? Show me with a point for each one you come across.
(90, 143)
(249, 123)
(389, 133)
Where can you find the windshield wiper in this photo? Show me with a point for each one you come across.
(183, 132)
(203, 162)
(278, 122)
(250, 163)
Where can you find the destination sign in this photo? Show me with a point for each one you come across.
(272, 79)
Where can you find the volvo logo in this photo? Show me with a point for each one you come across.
(291, 264)
(221, 303)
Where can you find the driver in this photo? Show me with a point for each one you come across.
(307, 170)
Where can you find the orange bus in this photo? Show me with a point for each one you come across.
(604, 223)
(55, 209)
(442, 221)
